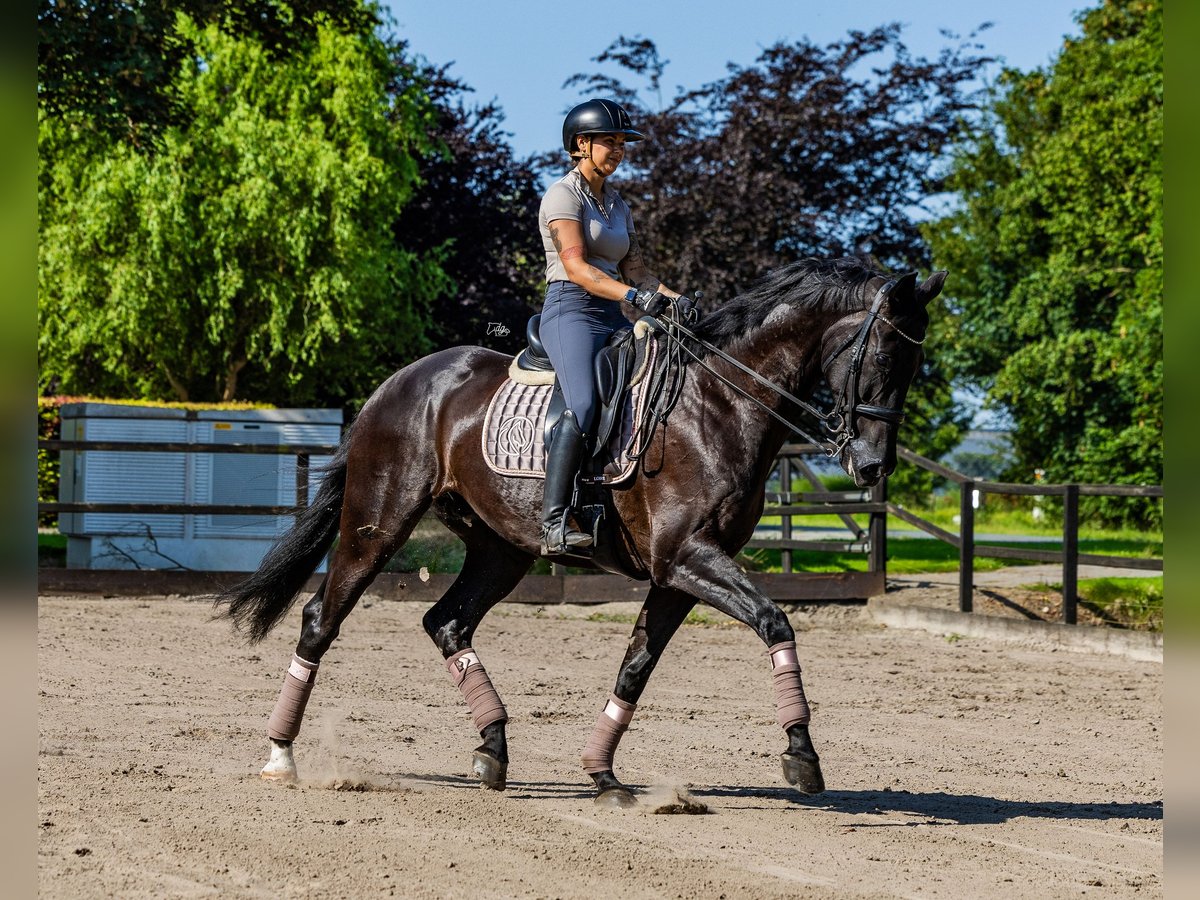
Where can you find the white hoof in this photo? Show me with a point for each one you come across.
(281, 766)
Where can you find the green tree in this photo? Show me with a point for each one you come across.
(250, 250)
(113, 61)
(1056, 250)
(477, 205)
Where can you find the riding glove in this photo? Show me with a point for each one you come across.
(685, 309)
(652, 303)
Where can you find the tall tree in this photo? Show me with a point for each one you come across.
(251, 250)
(1057, 244)
(810, 151)
(113, 61)
(111, 69)
(476, 205)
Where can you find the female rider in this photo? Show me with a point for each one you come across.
(593, 262)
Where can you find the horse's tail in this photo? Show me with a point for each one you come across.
(257, 604)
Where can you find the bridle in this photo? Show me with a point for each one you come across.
(849, 407)
(839, 422)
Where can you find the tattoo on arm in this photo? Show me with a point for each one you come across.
(575, 252)
(633, 266)
(634, 256)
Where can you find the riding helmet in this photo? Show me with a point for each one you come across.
(597, 117)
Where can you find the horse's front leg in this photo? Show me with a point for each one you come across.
(662, 613)
(707, 573)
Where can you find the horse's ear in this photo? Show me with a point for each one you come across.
(931, 287)
(902, 293)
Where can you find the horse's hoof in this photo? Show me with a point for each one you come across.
(616, 798)
(282, 764)
(492, 773)
(802, 774)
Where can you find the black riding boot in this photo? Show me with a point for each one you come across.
(560, 532)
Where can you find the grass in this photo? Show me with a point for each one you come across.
(436, 549)
(1122, 541)
(51, 549)
(435, 553)
(51, 541)
(909, 555)
(1130, 602)
(996, 514)
(439, 551)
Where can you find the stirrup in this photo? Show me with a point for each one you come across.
(561, 539)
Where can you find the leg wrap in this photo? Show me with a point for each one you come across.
(612, 723)
(790, 703)
(298, 682)
(472, 679)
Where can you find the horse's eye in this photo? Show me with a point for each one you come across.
(883, 361)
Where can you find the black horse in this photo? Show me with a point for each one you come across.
(678, 524)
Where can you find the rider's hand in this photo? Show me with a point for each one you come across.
(685, 308)
(652, 303)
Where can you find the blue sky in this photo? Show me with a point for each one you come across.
(520, 52)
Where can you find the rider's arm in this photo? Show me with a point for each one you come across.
(633, 269)
(567, 235)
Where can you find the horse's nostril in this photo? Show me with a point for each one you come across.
(870, 472)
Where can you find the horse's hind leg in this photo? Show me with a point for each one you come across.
(492, 568)
(661, 615)
(368, 538)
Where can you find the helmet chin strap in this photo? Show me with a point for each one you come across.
(591, 159)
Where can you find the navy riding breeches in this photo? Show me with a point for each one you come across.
(574, 326)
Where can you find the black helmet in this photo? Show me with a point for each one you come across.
(597, 117)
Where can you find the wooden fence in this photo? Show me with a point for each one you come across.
(789, 506)
(1069, 556)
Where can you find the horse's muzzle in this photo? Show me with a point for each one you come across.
(868, 461)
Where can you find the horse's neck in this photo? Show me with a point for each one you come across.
(786, 351)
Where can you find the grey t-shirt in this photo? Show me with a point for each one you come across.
(606, 226)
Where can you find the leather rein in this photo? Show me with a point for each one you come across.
(839, 422)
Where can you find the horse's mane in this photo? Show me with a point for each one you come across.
(817, 285)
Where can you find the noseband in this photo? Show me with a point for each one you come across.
(839, 422)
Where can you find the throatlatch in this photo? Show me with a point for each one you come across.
(288, 713)
(476, 687)
(790, 703)
(613, 722)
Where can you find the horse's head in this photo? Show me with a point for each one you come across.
(870, 357)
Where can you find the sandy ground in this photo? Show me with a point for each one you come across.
(956, 768)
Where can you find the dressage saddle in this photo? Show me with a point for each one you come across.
(616, 366)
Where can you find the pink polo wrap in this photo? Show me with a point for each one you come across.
(790, 703)
(612, 722)
(476, 687)
(298, 682)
